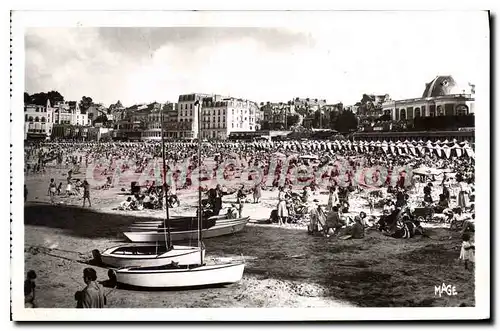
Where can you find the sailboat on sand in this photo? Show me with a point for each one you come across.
(177, 275)
(157, 252)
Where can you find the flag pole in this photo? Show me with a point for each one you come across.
(197, 103)
(167, 221)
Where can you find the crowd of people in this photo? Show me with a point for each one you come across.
(395, 198)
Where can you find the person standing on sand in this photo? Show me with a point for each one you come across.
(333, 199)
(52, 190)
(29, 290)
(257, 192)
(92, 296)
(467, 251)
(282, 210)
(86, 192)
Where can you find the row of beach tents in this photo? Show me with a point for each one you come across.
(445, 149)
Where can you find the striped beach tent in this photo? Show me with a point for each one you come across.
(457, 150)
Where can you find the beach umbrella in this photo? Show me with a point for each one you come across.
(426, 171)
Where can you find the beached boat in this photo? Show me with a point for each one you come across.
(149, 255)
(217, 230)
(176, 275)
(181, 276)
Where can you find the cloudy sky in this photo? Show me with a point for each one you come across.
(338, 59)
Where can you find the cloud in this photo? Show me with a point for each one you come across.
(334, 59)
(141, 42)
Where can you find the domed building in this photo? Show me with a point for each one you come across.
(442, 96)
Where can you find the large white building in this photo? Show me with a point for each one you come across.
(187, 115)
(39, 121)
(221, 116)
(443, 96)
(68, 112)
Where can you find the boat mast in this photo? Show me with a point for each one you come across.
(197, 103)
(167, 221)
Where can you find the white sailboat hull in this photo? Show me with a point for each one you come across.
(199, 276)
(154, 225)
(216, 231)
(183, 255)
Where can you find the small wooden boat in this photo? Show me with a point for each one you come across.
(216, 231)
(149, 255)
(181, 276)
(178, 226)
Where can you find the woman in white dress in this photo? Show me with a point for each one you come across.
(333, 199)
(463, 195)
(282, 210)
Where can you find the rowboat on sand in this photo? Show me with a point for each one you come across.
(217, 230)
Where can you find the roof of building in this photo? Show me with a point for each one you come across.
(444, 85)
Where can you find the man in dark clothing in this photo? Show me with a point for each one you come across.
(29, 290)
(86, 192)
(92, 296)
(215, 198)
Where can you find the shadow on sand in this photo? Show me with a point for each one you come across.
(79, 221)
(375, 272)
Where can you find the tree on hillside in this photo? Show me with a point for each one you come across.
(41, 98)
(346, 122)
(85, 104)
(55, 97)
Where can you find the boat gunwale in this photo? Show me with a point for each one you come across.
(139, 270)
(216, 226)
(149, 256)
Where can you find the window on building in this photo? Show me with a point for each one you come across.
(43, 119)
(462, 110)
(232, 125)
(191, 106)
(402, 116)
(440, 111)
(417, 112)
(251, 127)
(37, 119)
(432, 111)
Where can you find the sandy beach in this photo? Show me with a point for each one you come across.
(285, 267)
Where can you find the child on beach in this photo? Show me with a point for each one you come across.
(467, 251)
(29, 290)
